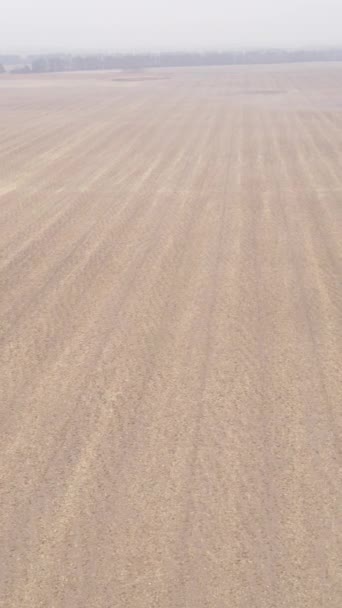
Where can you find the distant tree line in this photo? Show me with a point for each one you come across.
(60, 63)
(15, 64)
(10, 59)
(131, 61)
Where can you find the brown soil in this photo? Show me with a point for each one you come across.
(170, 314)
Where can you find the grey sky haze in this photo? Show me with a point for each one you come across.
(161, 24)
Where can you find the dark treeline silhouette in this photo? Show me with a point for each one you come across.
(130, 61)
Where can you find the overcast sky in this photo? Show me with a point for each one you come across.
(167, 24)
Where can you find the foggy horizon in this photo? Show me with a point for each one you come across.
(155, 26)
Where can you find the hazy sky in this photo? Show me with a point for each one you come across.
(162, 24)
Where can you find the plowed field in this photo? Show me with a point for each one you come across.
(170, 312)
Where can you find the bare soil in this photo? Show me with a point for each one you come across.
(170, 313)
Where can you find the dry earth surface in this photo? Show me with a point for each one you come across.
(171, 339)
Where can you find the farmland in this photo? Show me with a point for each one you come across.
(170, 327)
